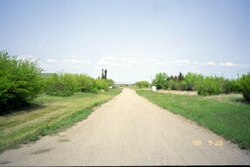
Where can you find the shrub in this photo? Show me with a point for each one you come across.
(20, 81)
(67, 84)
(227, 86)
(210, 86)
(85, 83)
(182, 85)
(59, 85)
(236, 86)
(192, 81)
(142, 84)
(245, 86)
(110, 82)
(160, 81)
(101, 84)
(171, 85)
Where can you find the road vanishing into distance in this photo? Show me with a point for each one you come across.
(129, 130)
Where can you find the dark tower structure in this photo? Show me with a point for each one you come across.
(104, 74)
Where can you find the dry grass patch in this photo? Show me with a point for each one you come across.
(49, 115)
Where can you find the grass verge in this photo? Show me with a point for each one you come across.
(50, 115)
(230, 119)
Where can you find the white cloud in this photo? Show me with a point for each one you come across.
(77, 61)
(68, 62)
(228, 64)
(50, 60)
(183, 63)
(232, 65)
(210, 63)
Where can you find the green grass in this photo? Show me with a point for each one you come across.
(226, 115)
(49, 114)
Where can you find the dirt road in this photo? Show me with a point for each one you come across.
(129, 130)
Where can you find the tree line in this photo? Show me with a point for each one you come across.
(21, 81)
(204, 85)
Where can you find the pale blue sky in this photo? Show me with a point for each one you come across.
(133, 39)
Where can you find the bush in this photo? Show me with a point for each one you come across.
(60, 85)
(20, 81)
(101, 84)
(245, 86)
(210, 86)
(218, 85)
(160, 81)
(110, 82)
(171, 85)
(142, 84)
(192, 81)
(227, 86)
(85, 83)
(67, 84)
(236, 86)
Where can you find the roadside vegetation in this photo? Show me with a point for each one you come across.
(48, 114)
(209, 85)
(226, 115)
(68, 84)
(33, 104)
(142, 84)
(21, 81)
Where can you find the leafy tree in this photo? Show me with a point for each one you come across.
(180, 77)
(245, 86)
(236, 86)
(142, 84)
(160, 81)
(227, 86)
(68, 84)
(192, 81)
(210, 86)
(20, 81)
(110, 82)
(101, 84)
(172, 85)
(60, 85)
(85, 83)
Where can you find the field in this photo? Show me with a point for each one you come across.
(226, 115)
(47, 115)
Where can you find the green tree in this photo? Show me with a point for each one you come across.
(61, 85)
(192, 81)
(160, 81)
(20, 81)
(101, 84)
(142, 84)
(245, 86)
(211, 86)
(110, 82)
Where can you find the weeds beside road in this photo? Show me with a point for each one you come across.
(50, 114)
(227, 116)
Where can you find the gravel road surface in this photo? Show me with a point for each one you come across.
(129, 130)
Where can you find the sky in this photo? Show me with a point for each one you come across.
(132, 39)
